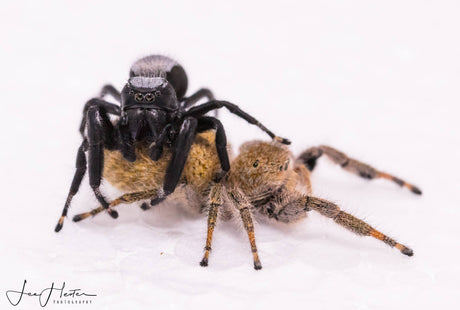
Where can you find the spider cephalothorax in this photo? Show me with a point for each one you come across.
(153, 111)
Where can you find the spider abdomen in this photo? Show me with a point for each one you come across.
(145, 174)
(162, 66)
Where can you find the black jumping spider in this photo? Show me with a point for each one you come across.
(152, 110)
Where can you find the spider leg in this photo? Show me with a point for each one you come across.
(99, 129)
(215, 201)
(110, 90)
(217, 104)
(206, 123)
(107, 106)
(200, 94)
(77, 178)
(180, 150)
(350, 222)
(242, 203)
(310, 156)
(126, 142)
(126, 198)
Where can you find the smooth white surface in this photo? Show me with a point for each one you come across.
(377, 81)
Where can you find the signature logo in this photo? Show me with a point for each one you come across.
(60, 295)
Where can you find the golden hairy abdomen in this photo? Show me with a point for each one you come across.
(143, 174)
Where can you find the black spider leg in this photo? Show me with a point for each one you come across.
(110, 90)
(100, 133)
(206, 123)
(77, 178)
(180, 150)
(107, 106)
(217, 104)
(202, 93)
(193, 99)
(126, 141)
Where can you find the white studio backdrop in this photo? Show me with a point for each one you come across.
(378, 81)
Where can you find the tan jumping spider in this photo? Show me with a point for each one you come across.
(263, 180)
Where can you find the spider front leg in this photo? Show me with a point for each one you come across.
(206, 123)
(180, 150)
(292, 210)
(350, 222)
(100, 133)
(102, 104)
(217, 104)
(215, 202)
(310, 156)
(241, 202)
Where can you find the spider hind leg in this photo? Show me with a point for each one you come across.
(311, 155)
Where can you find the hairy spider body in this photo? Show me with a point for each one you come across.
(145, 174)
(143, 179)
(154, 113)
(265, 180)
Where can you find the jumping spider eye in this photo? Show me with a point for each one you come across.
(149, 97)
(255, 164)
(131, 92)
(157, 93)
(139, 97)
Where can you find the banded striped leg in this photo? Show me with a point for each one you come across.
(126, 198)
(242, 204)
(215, 201)
(309, 157)
(351, 223)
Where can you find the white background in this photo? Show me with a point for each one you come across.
(378, 81)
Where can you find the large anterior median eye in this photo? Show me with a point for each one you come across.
(139, 97)
(149, 97)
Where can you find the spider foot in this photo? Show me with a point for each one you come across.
(59, 224)
(282, 140)
(416, 190)
(112, 213)
(204, 262)
(145, 206)
(406, 251)
(81, 216)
